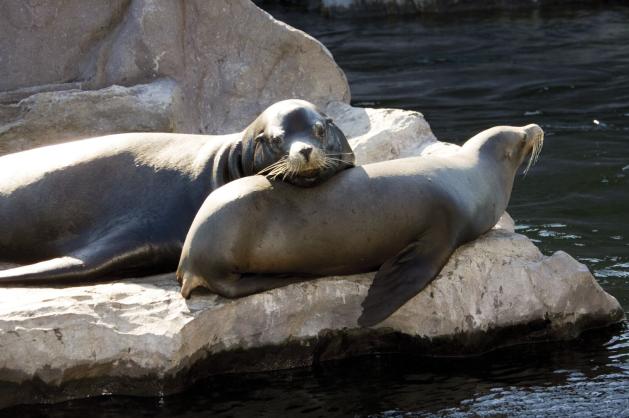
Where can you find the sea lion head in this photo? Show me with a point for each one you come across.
(295, 142)
(510, 145)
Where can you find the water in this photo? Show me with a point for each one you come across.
(565, 70)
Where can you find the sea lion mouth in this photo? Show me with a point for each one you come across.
(309, 174)
(287, 169)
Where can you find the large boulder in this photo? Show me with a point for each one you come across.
(52, 117)
(227, 59)
(139, 336)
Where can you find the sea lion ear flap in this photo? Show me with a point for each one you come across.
(234, 162)
(248, 145)
(335, 135)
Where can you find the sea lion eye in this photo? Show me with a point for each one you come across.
(259, 138)
(318, 130)
(276, 139)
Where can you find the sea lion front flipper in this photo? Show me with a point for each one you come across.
(402, 277)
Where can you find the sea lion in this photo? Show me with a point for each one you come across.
(402, 217)
(121, 205)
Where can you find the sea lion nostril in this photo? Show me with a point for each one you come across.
(306, 151)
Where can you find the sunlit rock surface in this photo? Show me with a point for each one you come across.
(53, 117)
(382, 134)
(139, 336)
(227, 58)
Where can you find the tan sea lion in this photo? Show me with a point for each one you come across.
(403, 218)
(121, 205)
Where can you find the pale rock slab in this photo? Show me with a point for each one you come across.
(228, 59)
(142, 331)
(53, 117)
(382, 134)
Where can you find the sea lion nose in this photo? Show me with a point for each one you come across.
(533, 131)
(306, 151)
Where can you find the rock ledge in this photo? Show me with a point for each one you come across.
(139, 336)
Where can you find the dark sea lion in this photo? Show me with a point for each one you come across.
(403, 218)
(122, 204)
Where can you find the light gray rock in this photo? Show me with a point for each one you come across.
(142, 331)
(48, 118)
(382, 134)
(51, 42)
(228, 59)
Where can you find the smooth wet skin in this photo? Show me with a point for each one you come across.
(121, 205)
(405, 217)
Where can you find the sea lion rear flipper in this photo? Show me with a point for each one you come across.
(402, 277)
(43, 272)
(106, 257)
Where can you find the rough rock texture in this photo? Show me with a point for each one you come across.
(227, 58)
(139, 336)
(48, 118)
(382, 134)
(352, 8)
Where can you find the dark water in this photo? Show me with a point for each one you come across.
(565, 70)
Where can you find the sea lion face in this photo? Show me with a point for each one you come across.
(512, 145)
(294, 142)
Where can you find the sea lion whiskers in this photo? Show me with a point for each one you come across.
(289, 168)
(273, 166)
(328, 158)
(332, 161)
(292, 169)
(538, 143)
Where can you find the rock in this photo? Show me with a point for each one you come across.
(48, 118)
(140, 337)
(44, 43)
(228, 60)
(382, 134)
